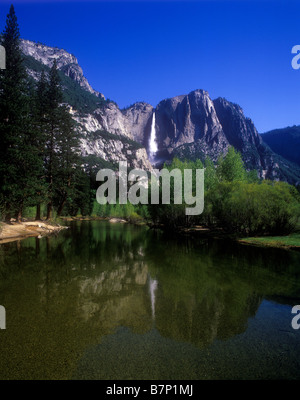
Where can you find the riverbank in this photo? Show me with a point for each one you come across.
(112, 220)
(290, 242)
(10, 232)
(17, 231)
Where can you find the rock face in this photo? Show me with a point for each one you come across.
(115, 150)
(132, 122)
(123, 126)
(66, 62)
(194, 126)
(107, 138)
(138, 119)
(241, 133)
(188, 126)
(189, 120)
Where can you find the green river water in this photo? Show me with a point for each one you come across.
(116, 301)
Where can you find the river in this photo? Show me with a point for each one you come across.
(116, 301)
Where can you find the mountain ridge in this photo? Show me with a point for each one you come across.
(66, 62)
(285, 141)
(187, 126)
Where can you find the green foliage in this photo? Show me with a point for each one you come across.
(80, 99)
(210, 178)
(252, 177)
(40, 163)
(251, 208)
(19, 161)
(73, 94)
(34, 65)
(289, 241)
(231, 167)
(129, 212)
(174, 215)
(102, 134)
(235, 200)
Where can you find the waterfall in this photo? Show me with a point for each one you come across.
(152, 142)
(153, 287)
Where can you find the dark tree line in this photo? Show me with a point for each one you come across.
(40, 162)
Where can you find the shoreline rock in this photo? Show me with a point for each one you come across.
(117, 220)
(17, 231)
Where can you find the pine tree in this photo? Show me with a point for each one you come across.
(61, 161)
(40, 121)
(54, 95)
(68, 165)
(18, 157)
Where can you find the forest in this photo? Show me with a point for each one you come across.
(44, 176)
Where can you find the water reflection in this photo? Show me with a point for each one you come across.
(152, 289)
(100, 287)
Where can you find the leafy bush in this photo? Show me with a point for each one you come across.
(251, 208)
(235, 200)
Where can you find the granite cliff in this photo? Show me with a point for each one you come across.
(187, 126)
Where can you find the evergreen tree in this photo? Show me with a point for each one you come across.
(54, 96)
(40, 121)
(60, 141)
(83, 195)
(68, 161)
(18, 156)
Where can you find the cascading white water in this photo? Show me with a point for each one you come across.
(153, 287)
(152, 142)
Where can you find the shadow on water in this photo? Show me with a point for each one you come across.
(115, 301)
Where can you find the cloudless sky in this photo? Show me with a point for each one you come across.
(151, 50)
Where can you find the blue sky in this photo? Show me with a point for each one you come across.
(151, 50)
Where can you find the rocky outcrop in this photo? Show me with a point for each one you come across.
(138, 119)
(133, 122)
(189, 120)
(187, 126)
(66, 62)
(21, 230)
(106, 135)
(193, 126)
(114, 150)
(125, 126)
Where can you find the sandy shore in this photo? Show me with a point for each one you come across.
(17, 231)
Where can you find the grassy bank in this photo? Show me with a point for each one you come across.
(291, 241)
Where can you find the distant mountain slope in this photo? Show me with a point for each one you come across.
(187, 126)
(66, 62)
(285, 142)
(195, 126)
(98, 119)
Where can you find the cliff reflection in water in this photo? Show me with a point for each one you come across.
(75, 289)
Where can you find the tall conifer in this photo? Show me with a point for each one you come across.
(17, 144)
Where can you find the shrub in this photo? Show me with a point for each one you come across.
(251, 208)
